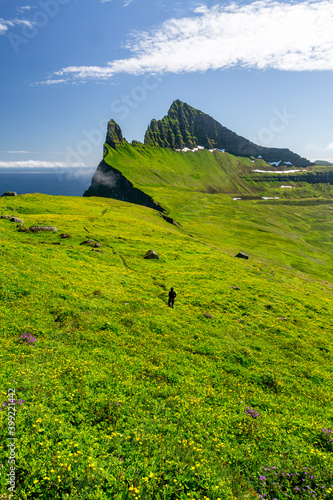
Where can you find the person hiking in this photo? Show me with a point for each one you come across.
(172, 296)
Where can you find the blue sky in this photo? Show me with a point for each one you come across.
(262, 69)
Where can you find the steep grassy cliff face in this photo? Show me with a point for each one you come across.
(145, 165)
(185, 126)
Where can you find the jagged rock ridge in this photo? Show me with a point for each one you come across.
(185, 126)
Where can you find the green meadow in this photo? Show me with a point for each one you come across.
(227, 396)
(197, 190)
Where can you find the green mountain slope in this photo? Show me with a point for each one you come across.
(125, 398)
(197, 190)
(201, 171)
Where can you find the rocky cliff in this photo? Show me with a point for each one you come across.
(185, 126)
(308, 177)
(108, 182)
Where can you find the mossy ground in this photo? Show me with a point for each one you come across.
(125, 398)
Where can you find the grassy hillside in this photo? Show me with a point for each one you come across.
(197, 189)
(201, 171)
(228, 396)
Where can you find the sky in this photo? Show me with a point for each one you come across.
(261, 68)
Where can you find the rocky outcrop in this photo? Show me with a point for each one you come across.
(9, 193)
(309, 177)
(170, 220)
(185, 126)
(242, 255)
(88, 242)
(39, 229)
(151, 254)
(114, 136)
(108, 182)
(92, 243)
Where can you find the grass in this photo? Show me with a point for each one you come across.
(125, 398)
(197, 190)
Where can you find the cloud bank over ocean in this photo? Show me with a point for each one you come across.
(39, 164)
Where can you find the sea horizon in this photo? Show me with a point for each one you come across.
(60, 182)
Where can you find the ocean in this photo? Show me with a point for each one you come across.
(59, 182)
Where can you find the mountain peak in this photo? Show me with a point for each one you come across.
(114, 136)
(177, 103)
(185, 126)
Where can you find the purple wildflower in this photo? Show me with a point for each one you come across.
(11, 402)
(28, 339)
(253, 413)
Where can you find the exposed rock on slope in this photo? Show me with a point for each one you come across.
(108, 182)
(309, 177)
(185, 126)
(9, 193)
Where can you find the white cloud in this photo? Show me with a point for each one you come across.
(33, 152)
(51, 82)
(9, 23)
(21, 152)
(26, 7)
(263, 34)
(316, 151)
(126, 2)
(38, 164)
(3, 27)
(78, 173)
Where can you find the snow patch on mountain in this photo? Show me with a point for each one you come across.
(279, 171)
